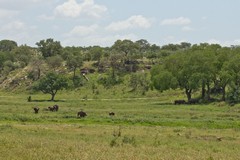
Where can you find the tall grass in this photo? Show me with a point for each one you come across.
(142, 128)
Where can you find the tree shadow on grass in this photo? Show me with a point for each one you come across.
(36, 100)
(164, 104)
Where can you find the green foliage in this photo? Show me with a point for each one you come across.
(192, 68)
(139, 81)
(7, 45)
(32, 75)
(2, 59)
(8, 66)
(54, 61)
(74, 62)
(5, 56)
(51, 84)
(234, 94)
(164, 81)
(110, 79)
(78, 81)
(23, 54)
(96, 53)
(49, 47)
(125, 47)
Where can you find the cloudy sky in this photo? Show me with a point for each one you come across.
(102, 22)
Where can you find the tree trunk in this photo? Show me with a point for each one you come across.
(98, 64)
(113, 73)
(74, 72)
(224, 93)
(203, 90)
(208, 91)
(39, 73)
(53, 96)
(188, 93)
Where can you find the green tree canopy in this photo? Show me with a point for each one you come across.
(55, 61)
(51, 84)
(163, 79)
(74, 62)
(49, 47)
(179, 70)
(125, 47)
(7, 45)
(23, 54)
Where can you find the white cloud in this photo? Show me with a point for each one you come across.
(93, 35)
(73, 9)
(23, 4)
(4, 13)
(187, 29)
(226, 43)
(176, 21)
(173, 40)
(204, 18)
(18, 31)
(12, 26)
(83, 30)
(107, 40)
(46, 17)
(213, 41)
(137, 21)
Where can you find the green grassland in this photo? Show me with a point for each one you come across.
(148, 127)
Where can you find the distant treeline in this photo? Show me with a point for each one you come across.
(209, 68)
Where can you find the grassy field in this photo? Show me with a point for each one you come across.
(143, 128)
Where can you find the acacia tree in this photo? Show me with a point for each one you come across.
(230, 75)
(162, 79)
(54, 61)
(49, 47)
(51, 84)
(139, 81)
(74, 62)
(125, 46)
(178, 70)
(36, 64)
(127, 49)
(222, 76)
(7, 45)
(202, 64)
(96, 53)
(143, 46)
(3, 58)
(23, 54)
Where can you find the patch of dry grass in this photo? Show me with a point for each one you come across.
(94, 142)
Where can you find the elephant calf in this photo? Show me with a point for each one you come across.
(111, 113)
(179, 102)
(36, 109)
(81, 114)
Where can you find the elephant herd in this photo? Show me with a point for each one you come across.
(54, 108)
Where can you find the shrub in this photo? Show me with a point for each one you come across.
(129, 140)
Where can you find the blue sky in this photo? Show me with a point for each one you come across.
(102, 22)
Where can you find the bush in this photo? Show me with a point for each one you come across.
(110, 79)
(78, 81)
(234, 95)
(114, 142)
(129, 140)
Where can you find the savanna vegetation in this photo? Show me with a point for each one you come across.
(177, 101)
